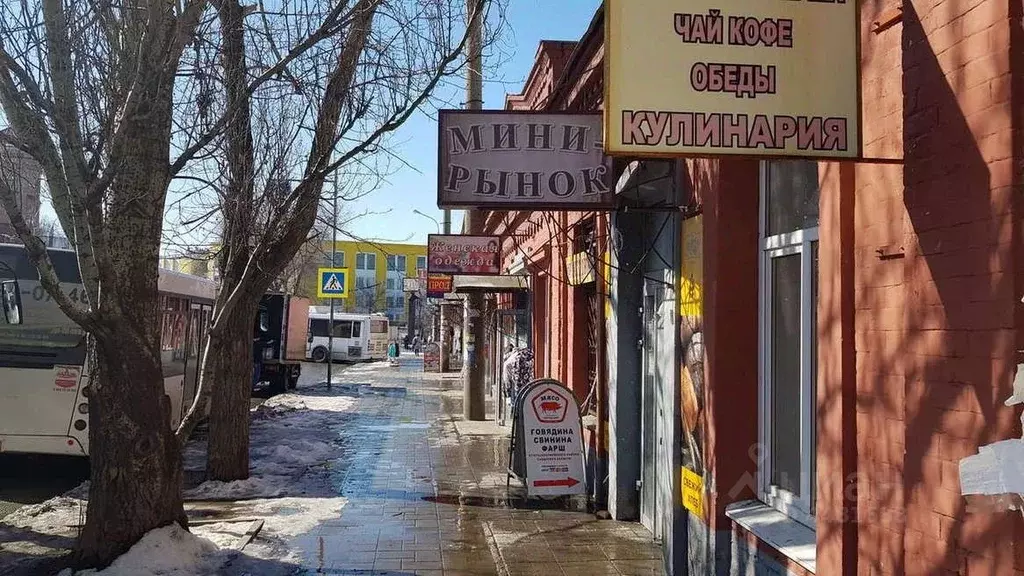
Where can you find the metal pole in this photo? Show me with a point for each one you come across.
(334, 258)
(474, 327)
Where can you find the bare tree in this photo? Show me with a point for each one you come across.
(88, 89)
(332, 81)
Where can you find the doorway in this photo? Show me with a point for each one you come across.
(658, 396)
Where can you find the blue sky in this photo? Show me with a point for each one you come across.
(414, 187)
(412, 182)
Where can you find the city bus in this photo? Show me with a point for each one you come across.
(44, 406)
(357, 337)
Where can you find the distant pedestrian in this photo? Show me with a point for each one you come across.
(517, 371)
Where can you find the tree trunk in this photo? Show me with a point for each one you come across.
(228, 371)
(135, 464)
(136, 472)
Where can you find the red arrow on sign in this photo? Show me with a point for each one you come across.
(568, 482)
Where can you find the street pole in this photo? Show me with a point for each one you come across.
(334, 258)
(474, 327)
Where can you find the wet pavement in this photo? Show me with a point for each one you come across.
(425, 499)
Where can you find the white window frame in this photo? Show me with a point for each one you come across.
(421, 263)
(397, 263)
(799, 508)
(367, 256)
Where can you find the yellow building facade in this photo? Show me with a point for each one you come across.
(376, 272)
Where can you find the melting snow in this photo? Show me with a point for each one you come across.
(295, 439)
(167, 551)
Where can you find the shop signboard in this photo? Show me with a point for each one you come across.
(463, 254)
(552, 440)
(438, 285)
(432, 357)
(720, 77)
(507, 160)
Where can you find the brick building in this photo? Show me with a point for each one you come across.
(841, 334)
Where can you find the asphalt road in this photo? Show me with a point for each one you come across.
(30, 479)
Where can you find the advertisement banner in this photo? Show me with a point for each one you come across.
(691, 381)
(768, 78)
(432, 357)
(553, 442)
(508, 160)
(459, 254)
(438, 285)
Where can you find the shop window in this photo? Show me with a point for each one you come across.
(789, 287)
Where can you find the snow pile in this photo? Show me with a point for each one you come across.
(367, 367)
(54, 516)
(285, 403)
(167, 551)
(294, 438)
(269, 486)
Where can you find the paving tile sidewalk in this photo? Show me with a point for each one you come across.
(424, 499)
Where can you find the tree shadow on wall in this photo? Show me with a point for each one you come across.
(934, 369)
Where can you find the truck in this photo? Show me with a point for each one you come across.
(279, 341)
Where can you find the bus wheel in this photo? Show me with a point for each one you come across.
(320, 354)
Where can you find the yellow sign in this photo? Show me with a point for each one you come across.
(332, 283)
(579, 268)
(693, 492)
(766, 78)
(691, 295)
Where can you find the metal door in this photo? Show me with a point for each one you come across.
(649, 421)
(659, 361)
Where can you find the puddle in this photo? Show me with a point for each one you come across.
(562, 503)
(399, 426)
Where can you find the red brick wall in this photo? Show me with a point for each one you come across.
(935, 333)
(730, 192)
(836, 397)
(879, 301)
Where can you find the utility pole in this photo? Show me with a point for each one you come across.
(474, 327)
(334, 258)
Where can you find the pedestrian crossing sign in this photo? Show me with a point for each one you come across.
(332, 283)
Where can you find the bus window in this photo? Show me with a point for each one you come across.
(357, 329)
(343, 329)
(172, 337)
(318, 328)
(378, 326)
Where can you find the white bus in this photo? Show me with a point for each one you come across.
(357, 337)
(44, 406)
